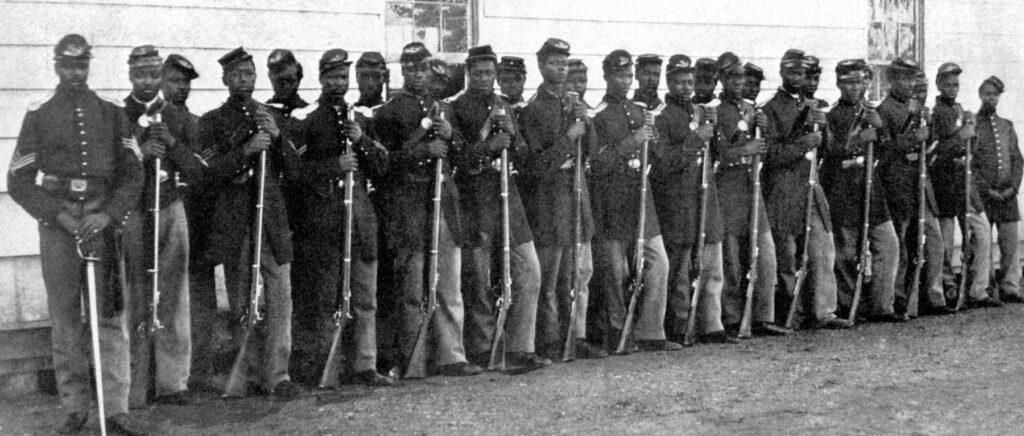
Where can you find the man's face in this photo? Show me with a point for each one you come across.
(649, 76)
(989, 96)
(145, 81)
(811, 85)
(176, 86)
(481, 76)
(852, 90)
(554, 69)
(751, 88)
(949, 86)
(577, 82)
(511, 83)
(619, 81)
(438, 85)
(72, 73)
(334, 82)
(902, 87)
(416, 75)
(733, 84)
(240, 79)
(286, 82)
(793, 79)
(681, 84)
(704, 87)
(370, 80)
(921, 89)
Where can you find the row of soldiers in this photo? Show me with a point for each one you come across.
(658, 206)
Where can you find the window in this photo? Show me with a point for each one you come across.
(895, 31)
(444, 26)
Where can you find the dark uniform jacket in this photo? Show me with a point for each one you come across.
(998, 166)
(231, 177)
(948, 169)
(897, 160)
(842, 176)
(199, 201)
(407, 190)
(786, 170)
(179, 162)
(546, 169)
(676, 179)
(648, 97)
(735, 174)
(478, 174)
(83, 147)
(319, 209)
(615, 173)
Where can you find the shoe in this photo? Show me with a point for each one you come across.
(286, 390)
(479, 359)
(986, 302)
(586, 350)
(180, 398)
(551, 350)
(372, 378)
(770, 329)
(124, 424)
(1012, 299)
(939, 310)
(887, 317)
(460, 369)
(719, 337)
(835, 324)
(74, 424)
(206, 384)
(658, 345)
(527, 361)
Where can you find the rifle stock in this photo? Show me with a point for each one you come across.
(755, 205)
(569, 348)
(636, 286)
(417, 365)
(801, 273)
(497, 358)
(965, 251)
(865, 253)
(690, 334)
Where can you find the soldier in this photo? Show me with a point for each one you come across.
(998, 178)
(813, 80)
(898, 165)
(512, 78)
(754, 75)
(676, 188)
(622, 128)
(414, 147)
(320, 232)
(953, 128)
(285, 75)
(853, 126)
(485, 120)
(648, 78)
(790, 138)
(90, 175)
(171, 344)
(371, 77)
(554, 124)
(576, 80)
(737, 144)
(236, 133)
(706, 71)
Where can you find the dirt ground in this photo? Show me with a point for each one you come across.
(951, 375)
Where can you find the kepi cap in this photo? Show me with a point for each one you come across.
(793, 58)
(179, 63)
(280, 59)
(144, 56)
(371, 59)
(949, 68)
(577, 66)
(648, 59)
(72, 47)
(729, 64)
(995, 82)
(812, 64)
(617, 59)
(414, 53)
(233, 57)
(481, 53)
(553, 46)
(901, 67)
(851, 69)
(512, 63)
(334, 58)
(754, 71)
(679, 63)
(706, 69)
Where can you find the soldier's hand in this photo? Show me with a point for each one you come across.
(921, 134)
(642, 134)
(68, 222)
(442, 128)
(152, 148)
(705, 132)
(259, 142)
(810, 140)
(352, 130)
(348, 162)
(266, 122)
(648, 118)
(437, 148)
(761, 121)
(709, 115)
(754, 146)
(996, 194)
(966, 131)
(872, 117)
(162, 133)
(504, 122)
(817, 117)
(499, 142)
(579, 110)
(868, 135)
(93, 223)
(576, 130)
(1007, 193)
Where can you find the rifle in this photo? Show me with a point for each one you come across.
(497, 360)
(94, 327)
(343, 313)
(922, 180)
(965, 254)
(568, 351)
(690, 335)
(236, 385)
(801, 273)
(417, 364)
(865, 252)
(636, 286)
(755, 250)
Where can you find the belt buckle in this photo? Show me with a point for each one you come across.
(79, 185)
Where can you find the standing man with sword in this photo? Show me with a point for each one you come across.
(87, 190)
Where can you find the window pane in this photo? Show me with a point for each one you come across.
(441, 25)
